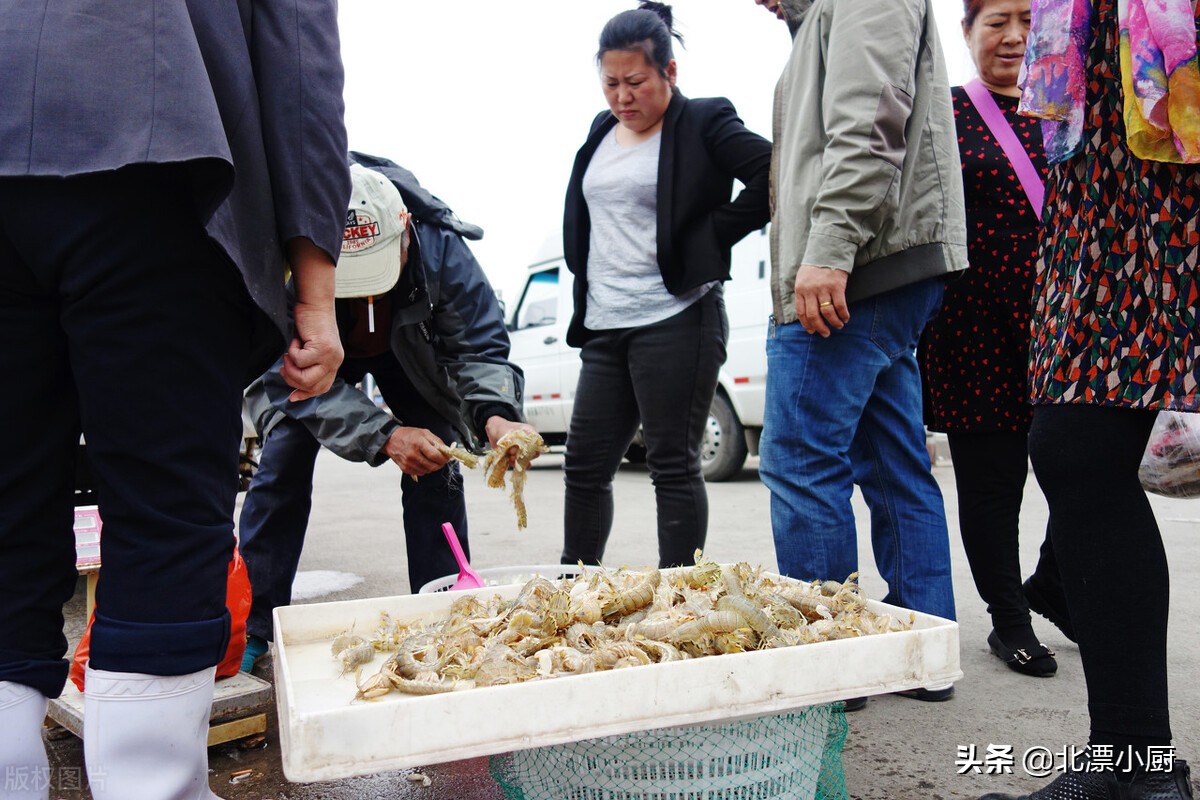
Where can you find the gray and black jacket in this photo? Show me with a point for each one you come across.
(866, 175)
(449, 336)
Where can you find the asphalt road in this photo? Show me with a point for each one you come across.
(897, 749)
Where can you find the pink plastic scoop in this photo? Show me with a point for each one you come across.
(467, 577)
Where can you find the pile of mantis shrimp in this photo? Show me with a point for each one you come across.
(603, 620)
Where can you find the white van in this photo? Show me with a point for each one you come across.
(538, 330)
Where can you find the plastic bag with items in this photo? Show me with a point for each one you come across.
(1171, 463)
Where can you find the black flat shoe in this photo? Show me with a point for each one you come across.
(854, 704)
(1054, 609)
(928, 695)
(1035, 661)
(1175, 784)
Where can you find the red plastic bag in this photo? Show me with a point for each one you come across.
(237, 599)
(81, 654)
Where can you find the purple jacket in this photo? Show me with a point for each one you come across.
(249, 93)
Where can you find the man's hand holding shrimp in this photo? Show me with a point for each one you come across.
(416, 451)
(496, 427)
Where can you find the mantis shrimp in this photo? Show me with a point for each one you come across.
(529, 446)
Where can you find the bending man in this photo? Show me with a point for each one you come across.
(416, 312)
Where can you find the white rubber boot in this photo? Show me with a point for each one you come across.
(145, 737)
(24, 770)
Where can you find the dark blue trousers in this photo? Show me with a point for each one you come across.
(276, 508)
(123, 321)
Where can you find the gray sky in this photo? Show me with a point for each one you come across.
(488, 101)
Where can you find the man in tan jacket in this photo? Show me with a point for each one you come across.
(867, 222)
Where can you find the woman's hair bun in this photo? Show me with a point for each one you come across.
(663, 11)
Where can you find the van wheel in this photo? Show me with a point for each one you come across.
(723, 450)
(636, 454)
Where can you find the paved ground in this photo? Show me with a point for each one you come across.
(898, 749)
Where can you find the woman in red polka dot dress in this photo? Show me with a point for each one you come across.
(974, 355)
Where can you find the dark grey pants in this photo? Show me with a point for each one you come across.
(664, 376)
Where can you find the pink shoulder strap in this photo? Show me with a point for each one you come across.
(1027, 173)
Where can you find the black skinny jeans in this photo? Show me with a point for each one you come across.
(663, 375)
(989, 474)
(1107, 540)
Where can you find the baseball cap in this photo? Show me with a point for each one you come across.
(373, 237)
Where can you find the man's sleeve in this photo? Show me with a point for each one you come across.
(473, 340)
(866, 103)
(296, 57)
(343, 419)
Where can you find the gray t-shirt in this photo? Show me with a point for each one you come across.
(625, 286)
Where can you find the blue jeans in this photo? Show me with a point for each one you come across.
(846, 410)
(276, 508)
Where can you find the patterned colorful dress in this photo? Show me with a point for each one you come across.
(975, 353)
(1116, 294)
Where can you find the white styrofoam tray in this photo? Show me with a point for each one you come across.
(326, 735)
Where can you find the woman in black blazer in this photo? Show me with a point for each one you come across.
(647, 230)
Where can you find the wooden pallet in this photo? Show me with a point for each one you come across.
(237, 711)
